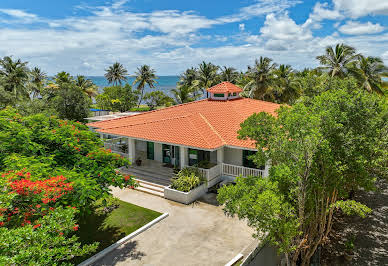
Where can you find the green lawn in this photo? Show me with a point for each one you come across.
(107, 229)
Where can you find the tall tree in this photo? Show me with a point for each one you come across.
(229, 74)
(14, 75)
(369, 72)
(184, 93)
(288, 86)
(261, 77)
(337, 60)
(118, 98)
(116, 73)
(145, 75)
(320, 149)
(189, 80)
(37, 81)
(87, 86)
(207, 75)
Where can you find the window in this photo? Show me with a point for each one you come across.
(234, 93)
(219, 95)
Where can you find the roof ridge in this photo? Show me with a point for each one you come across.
(148, 112)
(212, 128)
(150, 122)
(199, 132)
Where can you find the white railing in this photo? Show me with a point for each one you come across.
(235, 170)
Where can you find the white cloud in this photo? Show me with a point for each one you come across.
(170, 40)
(359, 8)
(282, 27)
(357, 28)
(17, 13)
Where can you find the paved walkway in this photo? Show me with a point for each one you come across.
(197, 234)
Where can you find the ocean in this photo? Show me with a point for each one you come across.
(164, 83)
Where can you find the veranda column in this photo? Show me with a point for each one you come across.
(220, 155)
(183, 156)
(131, 150)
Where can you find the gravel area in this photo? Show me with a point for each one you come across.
(369, 235)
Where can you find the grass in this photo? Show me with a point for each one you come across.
(109, 228)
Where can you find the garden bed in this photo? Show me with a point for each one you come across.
(185, 197)
(111, 227)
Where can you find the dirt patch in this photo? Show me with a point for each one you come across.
(356, 241)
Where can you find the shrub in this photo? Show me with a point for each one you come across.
(187, 179)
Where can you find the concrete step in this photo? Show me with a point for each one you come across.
(157, 186)
(151, 187)
(150, 191)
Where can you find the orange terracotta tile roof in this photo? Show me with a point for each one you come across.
(224, 87)
(203, 124)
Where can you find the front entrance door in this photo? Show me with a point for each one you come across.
(150, 151)
(166, 153)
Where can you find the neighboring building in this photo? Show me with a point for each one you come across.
(189, 134)
(99, 112)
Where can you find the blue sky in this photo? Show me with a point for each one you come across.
(85, 37)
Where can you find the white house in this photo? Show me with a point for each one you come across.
(202, 133)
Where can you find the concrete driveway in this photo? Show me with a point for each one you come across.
(197, 234)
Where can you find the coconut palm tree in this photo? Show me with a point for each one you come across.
(189, 79)
(368, 71)
(261, 78)
(14, 75)
(37, 81)
(337, 60)
(229, 74)
(184, 93)
(116, 73)
(288, 86)
(207, 75)
(87, 86)
(144, 75)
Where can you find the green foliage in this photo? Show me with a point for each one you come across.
(118, 98)
(321, 149)
(261, 203)
(187, 179)
(352, 207)
(47, 146)
(71, 103)
(145, 75)
(49, 241)
(156, 99)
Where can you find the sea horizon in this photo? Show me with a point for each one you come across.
(164, 83)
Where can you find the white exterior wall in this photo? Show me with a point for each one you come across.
(233, 156)
(158, 152)
(219, 98)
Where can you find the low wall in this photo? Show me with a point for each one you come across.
(185, 197)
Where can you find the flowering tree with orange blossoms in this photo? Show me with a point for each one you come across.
(47, 146)
(35, 229)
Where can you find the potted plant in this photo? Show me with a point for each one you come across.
(138, 162)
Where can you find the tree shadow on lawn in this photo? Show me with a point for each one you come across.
(123, 253)
(109, 227)
(93, 228)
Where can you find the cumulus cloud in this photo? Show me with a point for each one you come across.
(357, 28)
(359, 8)
(171, 40)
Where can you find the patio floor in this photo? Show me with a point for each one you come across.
(150, 171)
(197, 234)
